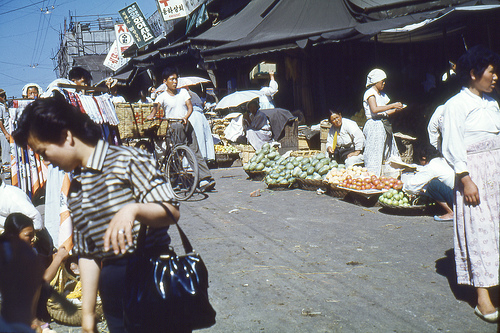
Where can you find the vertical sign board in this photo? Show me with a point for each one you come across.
(172, 9)
(113, 60)
(137, 25)
(123, 38)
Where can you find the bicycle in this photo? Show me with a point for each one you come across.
(173, 158)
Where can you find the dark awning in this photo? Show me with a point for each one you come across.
(237, 26)
(300, 22)
(453, 20)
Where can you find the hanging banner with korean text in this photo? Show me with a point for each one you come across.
(137, 25)
(123, 38)
(113, 60)
(172, 9)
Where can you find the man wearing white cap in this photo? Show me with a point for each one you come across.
(379, 144)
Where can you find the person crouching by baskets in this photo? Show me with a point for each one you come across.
(435, 179)
(21, 226)
(345, 140)
(113, 191)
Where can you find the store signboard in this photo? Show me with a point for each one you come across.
(123, 38)
(114, 60)
(137, 25)
(172, 9)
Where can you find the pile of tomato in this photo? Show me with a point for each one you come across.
(373, 182)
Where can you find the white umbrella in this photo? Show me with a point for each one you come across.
(237, 98)
(185, 81)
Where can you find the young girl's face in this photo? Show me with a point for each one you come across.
(27, 235)
(61, 154)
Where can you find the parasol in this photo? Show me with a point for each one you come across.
(190, 81)
(237, 98)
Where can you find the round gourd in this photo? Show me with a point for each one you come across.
(289, 166)
(246, 166)
(324, 170)
(264, 160)
(259, 167)
(318, 166)
(314, 161)
(320, 156)
(303, 175)
(296, 171)
(310, 170)
(252, 166)
(305, 160)
(325, 161)
(269, 163)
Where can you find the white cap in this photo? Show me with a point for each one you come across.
(376, 75)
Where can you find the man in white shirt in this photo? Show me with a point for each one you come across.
(345, 140)
(177, 105)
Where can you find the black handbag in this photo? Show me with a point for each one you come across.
(166, 292)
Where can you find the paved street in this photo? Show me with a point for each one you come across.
(296, 261)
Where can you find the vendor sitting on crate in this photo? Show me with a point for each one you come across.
(177, 105)
(435, 179)
(257, 126)
(345, 140)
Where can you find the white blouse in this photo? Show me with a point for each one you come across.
(436, 168)
(349, 135)
(467, 118)
(381, 99)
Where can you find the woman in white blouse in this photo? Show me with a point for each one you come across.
(471, 144)
(379, 144)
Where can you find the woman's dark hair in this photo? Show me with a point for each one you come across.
(425, 150)
(254, 102)
(76, 73)
(16, 222)
(169, 71)
(476, 59)
(47, 118)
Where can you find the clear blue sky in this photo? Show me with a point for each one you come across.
(30, 38)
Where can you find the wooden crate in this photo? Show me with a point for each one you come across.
(245, 156)
(303, 143)
(290, 140)
(133, 123)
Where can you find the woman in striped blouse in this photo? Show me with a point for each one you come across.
(113, 191)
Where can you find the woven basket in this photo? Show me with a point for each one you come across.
(64, 283)
(311, 184)
(304, 153)
(133, 121)
(279, 187)
(335, 191)
(256, 175)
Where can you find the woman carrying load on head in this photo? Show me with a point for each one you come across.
(471, 144)
(379, 144)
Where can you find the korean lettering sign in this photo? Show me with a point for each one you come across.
(123, 38)
(172, 9)
(137, 25)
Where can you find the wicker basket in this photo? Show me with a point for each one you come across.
(280, 187)
(311, 184)
(335, 191)
(64, 282)
(256, 175)
(132, 120)
(304, 153)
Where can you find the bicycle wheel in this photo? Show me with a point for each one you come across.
(181, 169)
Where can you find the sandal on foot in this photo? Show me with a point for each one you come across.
(490, 317)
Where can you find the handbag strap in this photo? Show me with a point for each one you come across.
(141, 238)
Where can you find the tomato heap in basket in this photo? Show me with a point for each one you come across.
(373, 182)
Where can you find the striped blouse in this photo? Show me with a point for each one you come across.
(114, 176)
